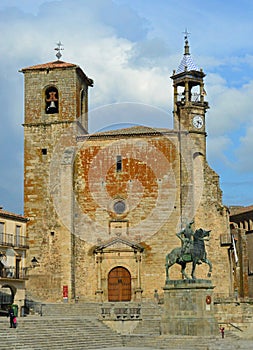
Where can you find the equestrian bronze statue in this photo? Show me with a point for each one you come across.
(192, 251)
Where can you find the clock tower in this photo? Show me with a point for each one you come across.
(189, 99)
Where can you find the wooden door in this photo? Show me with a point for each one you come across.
(119, 284)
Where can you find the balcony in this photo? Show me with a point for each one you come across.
(13, 273)
(225, 240)
(11, 240)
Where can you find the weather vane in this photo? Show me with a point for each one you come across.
(59, 49)
(186, 33)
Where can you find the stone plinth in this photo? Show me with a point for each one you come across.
(188, 308)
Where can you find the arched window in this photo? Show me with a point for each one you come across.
(51, 100)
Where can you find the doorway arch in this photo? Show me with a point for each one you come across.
(6, 296)
(119, 284)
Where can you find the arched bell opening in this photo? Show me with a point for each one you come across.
(51, 100)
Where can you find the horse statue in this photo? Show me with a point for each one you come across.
(192, 250)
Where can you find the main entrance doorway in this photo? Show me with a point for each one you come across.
(119, 284)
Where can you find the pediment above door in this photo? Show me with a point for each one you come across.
(117, 244)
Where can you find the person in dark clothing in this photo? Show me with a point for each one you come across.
(12, 316)
(222, 330)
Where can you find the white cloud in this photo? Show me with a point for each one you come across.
(131, 54)
(217, 146)
(230, 107)
(244, 152)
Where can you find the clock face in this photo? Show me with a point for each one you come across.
(197, 121)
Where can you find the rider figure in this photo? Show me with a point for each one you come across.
(185, 236)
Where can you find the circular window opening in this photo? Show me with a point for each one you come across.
(119, 207)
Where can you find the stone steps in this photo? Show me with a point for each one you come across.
(149, 310)
(39, 333)
(188, 343)
(148, 327)
(77, 326)
(77, 309)
(57, 333)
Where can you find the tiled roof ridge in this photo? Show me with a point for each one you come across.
(12, 215)
(237, 210)
(53, 64)
(134, 130)
(138, 128)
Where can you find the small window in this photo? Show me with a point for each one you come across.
(18, 235)
(44, 151)
(51, 100)
(82, 102)
(119, 164)
(18, 263)
(1, 232)
(1, 227)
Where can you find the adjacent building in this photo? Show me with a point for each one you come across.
(13, 250)
(241, 219)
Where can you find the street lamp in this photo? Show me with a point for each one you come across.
(34, 262)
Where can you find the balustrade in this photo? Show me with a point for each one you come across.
(13, 273)
(11, 240)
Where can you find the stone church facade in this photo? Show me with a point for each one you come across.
(104, 208)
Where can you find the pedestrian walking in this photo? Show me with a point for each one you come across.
(12, 316)
(222, 330)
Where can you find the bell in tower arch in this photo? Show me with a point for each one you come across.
(51, 100)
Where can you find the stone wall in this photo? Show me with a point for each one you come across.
(73, 189)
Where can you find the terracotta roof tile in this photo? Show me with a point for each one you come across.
(8, 214)
(58, 64)
(140, 129)
(50, 65)
(131, 131)
(234, 210)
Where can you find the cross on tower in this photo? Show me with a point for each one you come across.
(59, 49)
(186, 33)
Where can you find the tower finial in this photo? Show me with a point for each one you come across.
(186, 33)
(186, 46)
(59, 49)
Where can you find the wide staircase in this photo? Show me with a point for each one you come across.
(88, 326)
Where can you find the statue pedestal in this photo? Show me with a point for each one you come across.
(188, 308)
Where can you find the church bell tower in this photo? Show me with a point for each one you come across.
(189, 99)
(56, 97)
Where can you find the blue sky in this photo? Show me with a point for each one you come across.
(130, 48)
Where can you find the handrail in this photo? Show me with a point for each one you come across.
(11, 240)
(239, 329)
